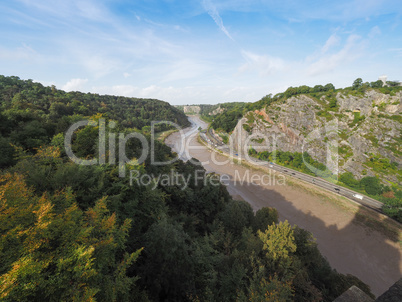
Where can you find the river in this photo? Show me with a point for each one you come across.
(350, 247)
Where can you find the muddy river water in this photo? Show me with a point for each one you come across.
(350, 248)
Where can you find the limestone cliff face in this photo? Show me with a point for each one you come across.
(192, 109)
(358, 127)
(217, 111)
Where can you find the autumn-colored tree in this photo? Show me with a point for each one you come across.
(52, 251)
(279, 246)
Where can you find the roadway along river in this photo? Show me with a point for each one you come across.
(349, 247)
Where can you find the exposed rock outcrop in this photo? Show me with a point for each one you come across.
(358, 127)
(192, 109)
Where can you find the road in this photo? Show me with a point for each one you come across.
(350, 247)
(366, 201)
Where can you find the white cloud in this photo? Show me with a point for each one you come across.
(123, 90)
(74, 84)
(99, 65)
(264, 64)
(213, 12)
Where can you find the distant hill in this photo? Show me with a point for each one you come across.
(31, 114)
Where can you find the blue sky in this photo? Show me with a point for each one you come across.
(205, 51)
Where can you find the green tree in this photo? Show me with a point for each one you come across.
(371, 185)
(271, 290)
(236, 216)
(318, 88)
(393, 208)
(376, 84)
(169, 271)
(393, 83)
(329, 87)
(348, 179)
(264, 217)
(7, 152)
(357, 83)
(332, 103)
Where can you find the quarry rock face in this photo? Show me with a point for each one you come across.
(343, 138)
(192, 109)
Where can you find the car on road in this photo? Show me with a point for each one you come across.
(358, 196)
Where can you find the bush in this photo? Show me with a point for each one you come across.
(371, 185)
(393, 208)
(348, 179)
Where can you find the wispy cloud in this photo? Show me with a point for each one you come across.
(398, 51)
(332, 41)
(327, 62)
(263, 64)
(213, 12)
(23, 52)
(375, 31)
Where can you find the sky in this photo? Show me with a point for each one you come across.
(199, 51)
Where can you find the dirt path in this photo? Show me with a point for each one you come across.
(349, 247)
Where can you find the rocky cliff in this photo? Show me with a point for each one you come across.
(359, 133)
(192, 109)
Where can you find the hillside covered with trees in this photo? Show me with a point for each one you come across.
(31, 114)
(73, 232)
